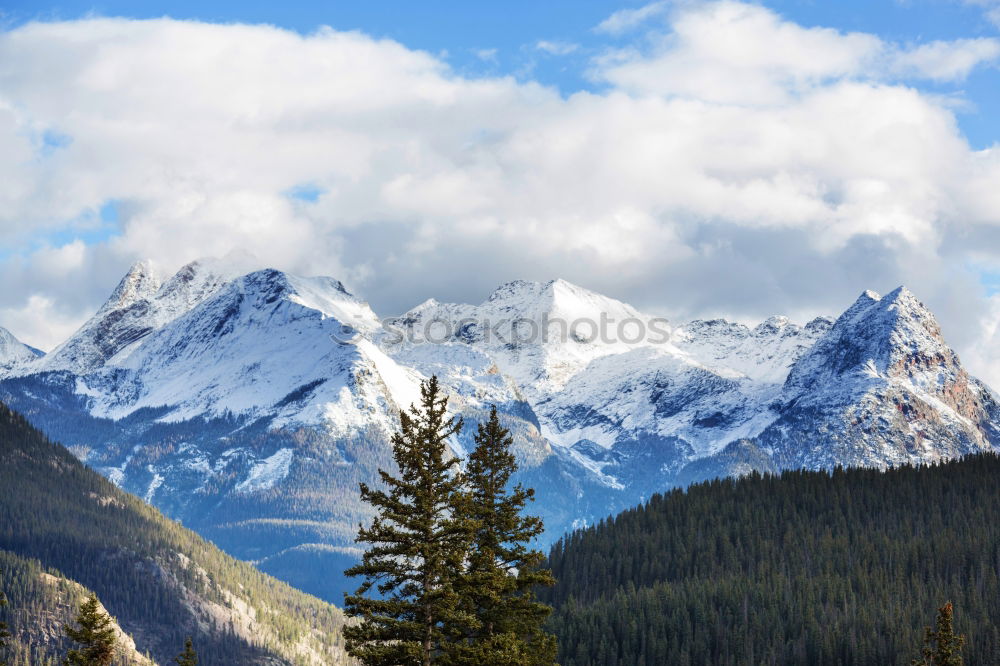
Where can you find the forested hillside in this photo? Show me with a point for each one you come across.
(60, 520)
(803, 568)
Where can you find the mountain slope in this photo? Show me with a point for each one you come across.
(160, 581)
(802, 568)
(43, 601)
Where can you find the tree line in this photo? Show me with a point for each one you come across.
(817, 567)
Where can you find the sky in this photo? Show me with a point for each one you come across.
(694, 158)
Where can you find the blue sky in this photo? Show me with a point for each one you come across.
(465, 32)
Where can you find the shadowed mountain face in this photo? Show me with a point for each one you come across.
(67, 530)
(250, 406)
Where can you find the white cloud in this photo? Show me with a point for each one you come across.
(40, 317)
(991, 9)
(628, 19)
(947, 61)
(737, 164)
(741, 53)
(556, 48)
(487, 55)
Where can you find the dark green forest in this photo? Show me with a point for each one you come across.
(839, 568)
(159, 580)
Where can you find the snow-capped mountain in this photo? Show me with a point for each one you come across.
(609, 382)
(261, 345)
(141, 304)
(540, 335)
(251, 404)
(881, 388)
(14, 353)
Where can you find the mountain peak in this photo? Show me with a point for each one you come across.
(903, 297)
(863, 302)
(515, 289)
(140, 282)
(772, 325)
(13, 351)
(877, 334)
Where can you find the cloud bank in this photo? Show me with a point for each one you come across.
(729, 162)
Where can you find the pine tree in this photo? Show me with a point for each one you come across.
(941, 647)
(189, 657)
(4, 634)
(502, 570)
(94, 633)
(418, 543)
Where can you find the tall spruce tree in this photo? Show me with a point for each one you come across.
(505, 627)
(188, 657)
(94, 633)
(942, 647)
(418, 542)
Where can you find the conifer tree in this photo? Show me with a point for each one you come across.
(4, 634)
(941, 646)
(188, 657)
(502, 570)
(95, 635)
(407, 600)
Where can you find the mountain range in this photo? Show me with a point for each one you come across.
(249, 405)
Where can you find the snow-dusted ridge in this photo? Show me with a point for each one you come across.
(251, 403)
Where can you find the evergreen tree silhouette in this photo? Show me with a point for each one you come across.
(188, 657)
(418, 543)
(95, 635)
(502, 570)
(941, 646)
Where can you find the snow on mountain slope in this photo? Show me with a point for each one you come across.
(539, 334)
(141, 304)
(764, 353)
(14, 353)
(248, 349)
(688, 391)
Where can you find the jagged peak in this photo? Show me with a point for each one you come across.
(532, 288)
(875, 333)
(142, 281)
(6, 337)
(772, 325)
(273, 280)
(209, 269)
(558, 297)
(898, 303)
(903, 297)
(862, 303)
(324, 294)
(819, 324)
(517, 288)
(717, 327)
